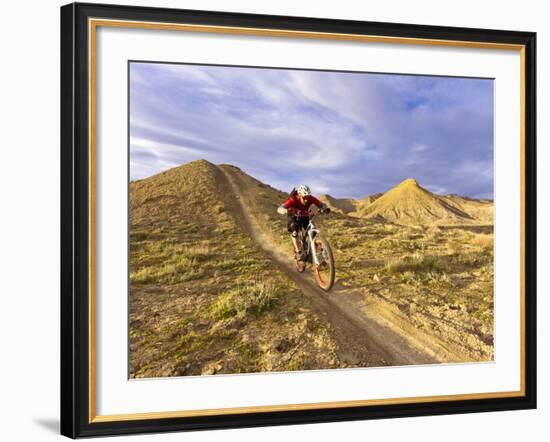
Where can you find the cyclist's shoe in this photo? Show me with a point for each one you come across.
(299, 256)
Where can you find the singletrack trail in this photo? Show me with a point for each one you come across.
(362, 341)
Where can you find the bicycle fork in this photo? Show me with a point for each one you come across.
(312, 233)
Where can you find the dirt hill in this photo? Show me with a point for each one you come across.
(208, 292)
(409, 203)
(362, 203)
(204, 298)
(198, 191)
(193, 191)
(480, 210)
(340, 205)
(368, 199)
(374, 257)
(349, 206)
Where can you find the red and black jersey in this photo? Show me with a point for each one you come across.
(293, 204)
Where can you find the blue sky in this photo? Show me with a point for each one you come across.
(346, 134)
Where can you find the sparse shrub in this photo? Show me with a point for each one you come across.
(169, 261)
(243, 265)
(467, 259)
(395, 265)
(199, 252)
(483, 241)
(410, 246)
(388, 243)
(178, 270)
(416, 262)
(342, 242)
(249, 358)
(142, 276)
(454, 247)
(254, 297)
(297, 363)
(433, 235)
(137, 235)
(219, 209)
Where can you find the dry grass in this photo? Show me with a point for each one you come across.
(203, 298)
(254, 297)
(484, 241)
(454, 247)
(417, 262)
(441, 275)
(440, 278)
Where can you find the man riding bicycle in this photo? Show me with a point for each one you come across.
(297, 208)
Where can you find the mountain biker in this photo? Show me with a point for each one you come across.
(297, 208)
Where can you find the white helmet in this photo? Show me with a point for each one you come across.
(303, 190)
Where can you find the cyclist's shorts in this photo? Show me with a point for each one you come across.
(295, 223)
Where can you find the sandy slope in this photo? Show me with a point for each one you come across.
(204, 298)
(364, 339)
(199, 200)
(409, 203)
(480, 210)
(349, 206)
(341, 205)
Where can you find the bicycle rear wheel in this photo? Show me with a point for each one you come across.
(324, 271)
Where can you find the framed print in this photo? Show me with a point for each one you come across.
(273, 220)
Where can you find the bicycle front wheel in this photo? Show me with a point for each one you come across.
(324, 271)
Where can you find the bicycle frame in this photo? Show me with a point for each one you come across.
(311, 232)
(317, 251)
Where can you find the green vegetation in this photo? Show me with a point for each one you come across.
(439, 276)
(253, 298)
(203, 298)
(440, 279)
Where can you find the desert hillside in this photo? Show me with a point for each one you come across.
(434, 280)
(480, 210)
(194, 191)
(209, 295)
(434, 275)
(341, 205)
(203, 298)
(409, 203)
(349, 206)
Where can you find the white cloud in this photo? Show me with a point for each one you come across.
(341, 131)
(419, 148)
(160, 149)
(142, 124)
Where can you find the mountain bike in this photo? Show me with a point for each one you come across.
(316, 251)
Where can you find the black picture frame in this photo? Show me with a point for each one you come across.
(75, 220)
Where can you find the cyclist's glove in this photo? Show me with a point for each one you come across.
(325, 210)
(282, 210)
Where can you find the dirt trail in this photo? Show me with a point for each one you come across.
(362, 341)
